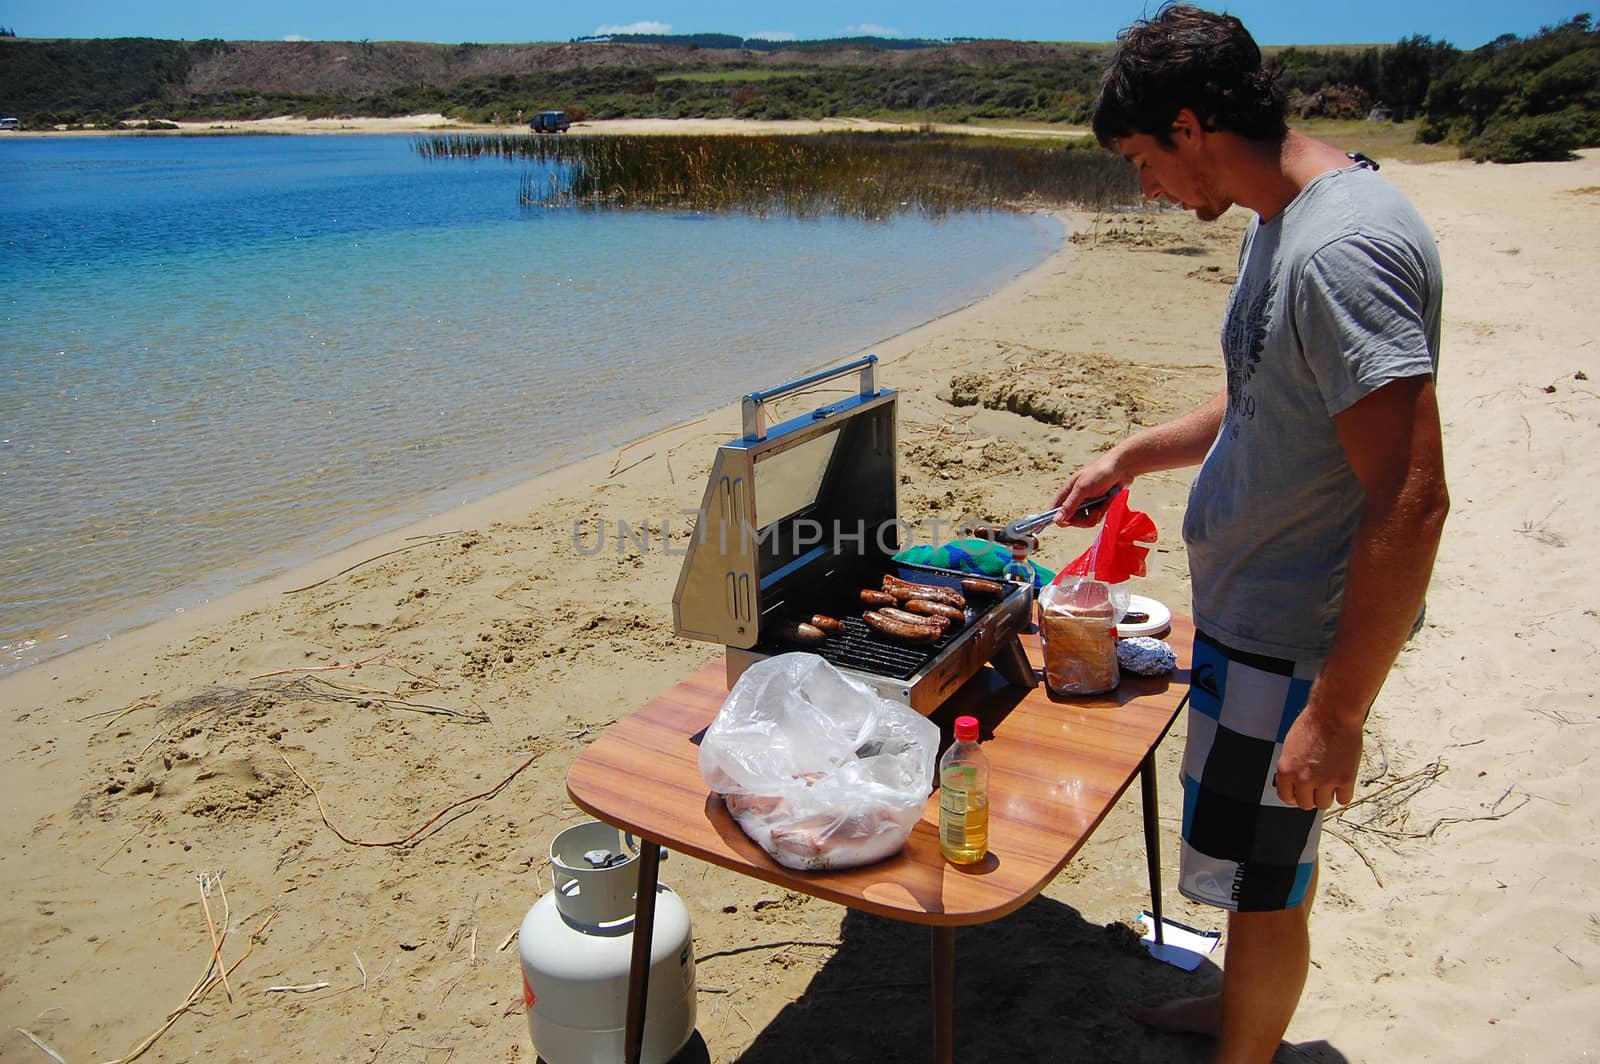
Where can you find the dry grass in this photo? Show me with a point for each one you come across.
(1380, 140)
(867, 175)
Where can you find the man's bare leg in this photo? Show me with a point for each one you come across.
(1268, 954)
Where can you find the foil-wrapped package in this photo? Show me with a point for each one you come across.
(1144, 655)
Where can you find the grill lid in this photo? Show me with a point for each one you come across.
(780, 502)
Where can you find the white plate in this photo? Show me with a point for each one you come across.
(1160, 617)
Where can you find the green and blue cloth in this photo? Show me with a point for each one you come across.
(981, 557)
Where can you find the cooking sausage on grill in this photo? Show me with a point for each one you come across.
(830, 625)
(871, 597)
(904, 631)
(905, 589)
(937, 609)
(940, 623)
(977, 585)
(808, 634)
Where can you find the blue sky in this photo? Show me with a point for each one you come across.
(1464, 23)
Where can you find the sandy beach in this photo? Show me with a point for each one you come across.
(1459, 917)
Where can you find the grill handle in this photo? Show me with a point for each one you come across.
(753, 406)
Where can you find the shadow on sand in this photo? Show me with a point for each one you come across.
(1039, 985)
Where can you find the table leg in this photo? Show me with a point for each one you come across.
(1152, 837)
(944, 994)
(644, 926)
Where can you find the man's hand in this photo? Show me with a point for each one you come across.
(1093, 481)
(1321, 755)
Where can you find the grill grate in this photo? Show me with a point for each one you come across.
(920, 674)
(859, 646)
(862, 648)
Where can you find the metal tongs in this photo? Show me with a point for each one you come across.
(1026, 526)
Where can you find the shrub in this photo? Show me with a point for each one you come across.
(1332, 101)
(1435, 129)
(1518, 100)
(1536, 138)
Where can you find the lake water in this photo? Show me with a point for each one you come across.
(223, 355)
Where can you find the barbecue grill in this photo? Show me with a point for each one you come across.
(797, 519)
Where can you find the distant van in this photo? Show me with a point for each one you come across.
(550, 122)
(10, 123)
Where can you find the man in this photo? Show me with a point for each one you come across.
(1313, 522)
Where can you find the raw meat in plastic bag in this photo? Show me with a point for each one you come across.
(817, 768)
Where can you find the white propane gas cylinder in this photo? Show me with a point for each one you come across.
(577, 945)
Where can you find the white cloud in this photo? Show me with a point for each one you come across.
(774, 35)
(295, 37)
(634, 27)
(869, 29)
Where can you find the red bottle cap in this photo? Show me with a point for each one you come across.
(966, 729)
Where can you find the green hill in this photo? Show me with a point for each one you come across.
(1513, 99)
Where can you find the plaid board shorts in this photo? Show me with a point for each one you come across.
(1244, 849)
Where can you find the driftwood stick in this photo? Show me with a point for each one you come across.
(177, 727)
(200, 991)
(1359, 853)
(116, 715)
(630, 465)
(646, 439)
(320, 668)
(409, 546)
(345, 694)
(119, 848)
(412, 837)
(43, 1048)
(766, 945)
(205, 882)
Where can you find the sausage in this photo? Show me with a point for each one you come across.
(977, 585)
(998, 535)
(877, 598)
(905, 589)
(937, 609)
(1134, 618)
(940, 623)
(830, 625)
(808, 634)
(901, 630)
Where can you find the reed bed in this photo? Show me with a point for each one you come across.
(863, 175)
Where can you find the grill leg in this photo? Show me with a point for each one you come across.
(644, 926)
(944, 993)
(1152, 838)
(1012, 662)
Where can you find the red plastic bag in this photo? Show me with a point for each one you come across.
(1118, 552)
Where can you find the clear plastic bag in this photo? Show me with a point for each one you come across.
(817, 768)
(1078, 629)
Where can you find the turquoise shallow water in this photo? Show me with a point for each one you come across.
(222, 355)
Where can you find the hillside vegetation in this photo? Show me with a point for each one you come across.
(1514, 99)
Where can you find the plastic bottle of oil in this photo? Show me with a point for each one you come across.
(964, 796)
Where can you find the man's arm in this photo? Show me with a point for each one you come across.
(1393, 442)
(1183, 441)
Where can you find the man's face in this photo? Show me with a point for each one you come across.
(1174, 173)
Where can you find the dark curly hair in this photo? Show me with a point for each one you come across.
(1186, 57)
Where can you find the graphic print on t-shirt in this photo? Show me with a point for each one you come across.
(1244, 335)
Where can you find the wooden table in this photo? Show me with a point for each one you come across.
(1057, 766)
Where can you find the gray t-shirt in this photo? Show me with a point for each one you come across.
(1336, 297)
